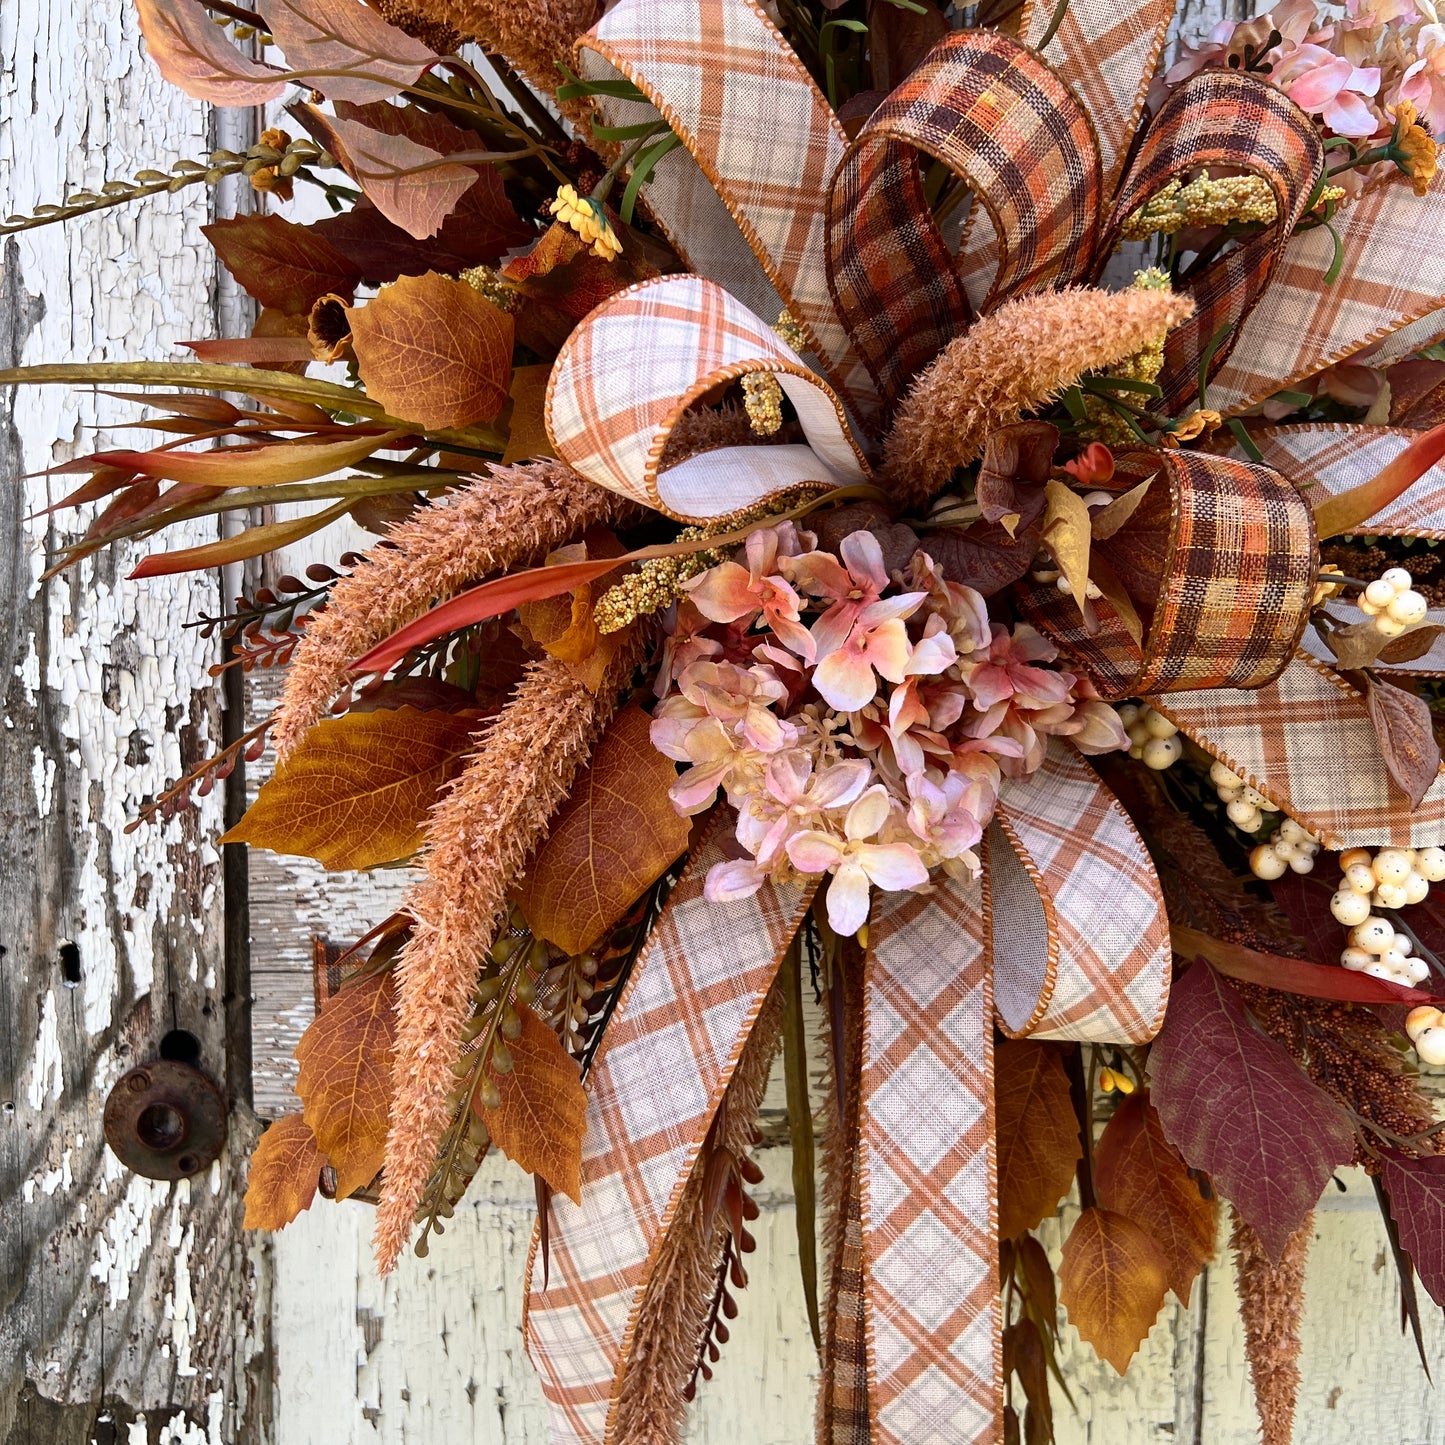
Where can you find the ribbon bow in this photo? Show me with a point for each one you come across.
(769, 199)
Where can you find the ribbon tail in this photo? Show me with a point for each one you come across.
(928, 1196)
(681, 1040)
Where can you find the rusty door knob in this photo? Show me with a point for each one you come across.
(165, 1120)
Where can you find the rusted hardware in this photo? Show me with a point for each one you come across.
(165, 1120)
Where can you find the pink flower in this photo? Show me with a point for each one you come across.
(856, 863)
(1331, 87)
(684, 644)
(1095, 728)
(845, 676)
(853, 587)
(796, 799)
(1423, 82)
(1007, 673)
(938, 814)
(730, 593)
(742, 698)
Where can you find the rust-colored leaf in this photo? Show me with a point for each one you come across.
(411, 184)
(1112, 1281)
(1412, 645)
(283, 265)
(1015, 467)
(1138, 1173)
(1038, 1134)
(344, 1079)
(1407, 738)
(564, 627)
(542, 1115)
(284, 1170)
(345, 35)
(268, 465)
(528, 437)
(193, 54)
(356, 791)
(273, 323)
(272, 351)
(434, 351)
(611, 841)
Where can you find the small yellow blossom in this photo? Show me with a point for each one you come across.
(1105, 424)
(1413, 148)
(1203, 202)
(589, 220)
(789, 331)
(1195, 424)
(1326, 591)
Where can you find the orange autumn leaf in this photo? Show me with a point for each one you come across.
(1112, 1281)
(528, 437)
(1038, 1135)
(356, 791)
(610, 842)
(564, 625)
(345, 1078)
(433, 351)
(284, 1169)
(542, 1115)
(1138, 1173)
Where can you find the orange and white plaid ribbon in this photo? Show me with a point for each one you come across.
(1085, 956)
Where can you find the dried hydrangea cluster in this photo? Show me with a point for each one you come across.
(860, 723)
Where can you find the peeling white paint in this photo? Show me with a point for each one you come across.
(47, 1079)
(42, 776)
(180, 1306)
(121, 1244)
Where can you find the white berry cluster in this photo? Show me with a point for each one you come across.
(1292, 847)
(1152, 737)
(1245, 806)
(1393, 603)
(1393, 878)
(1426, 1028)
(1377, 949)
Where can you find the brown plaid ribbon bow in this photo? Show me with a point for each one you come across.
(769, 200)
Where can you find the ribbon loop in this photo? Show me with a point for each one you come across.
(1007, 127)
(1235, 121)
(742, 200)
(642, 358)
(1220, 558)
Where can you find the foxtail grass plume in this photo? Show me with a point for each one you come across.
(479, 838)
(1017, 359)
(511, 518)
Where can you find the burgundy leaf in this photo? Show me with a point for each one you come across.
(1417, 1204)
(190, 52)
(1236, 1105)
(1410, 645)
(984, 556)
(479, 231)
(1015, 470)
(346, 35)
(1407, 738)
(1305, 899)
(898, 39)
(1417, 394)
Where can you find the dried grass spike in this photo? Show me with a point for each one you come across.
(1271, 1300)
(479, 839)
(1014, 361)
(511, 518)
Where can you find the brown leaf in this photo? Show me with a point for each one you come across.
(528, 437)
(1407, 738)
(542, 1115)
(356, 791)
(343, 35)
(283, 265)
(1355, 645)
(270, 322)
(345, 1078)
(194, 54)
(412, 185)
(1138, 1173)
(1409, 646)
(612, 839)
(284, 1169)
(434, 351)
(1112, 1282)
(1417, 394)
(1015, 468)
(1038, 1134)
(1107, 520)
(983, 556)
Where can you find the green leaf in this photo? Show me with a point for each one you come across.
(642, 171)
(1246, 442)
(800, 1126)
(1332, 275)
(253, 542)
(1206, 358)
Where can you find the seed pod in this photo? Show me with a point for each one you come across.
(290, 164)
(489, 1094)
(511, 1023)
(501, 1058)
(525, 992)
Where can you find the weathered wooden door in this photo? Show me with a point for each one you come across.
(127, 1304)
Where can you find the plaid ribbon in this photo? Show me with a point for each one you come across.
(1390, 284)
(743, 199)
(916, 1285)
(1223, 118)
(1007, 127)
(1225, 552)
(643, 357)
